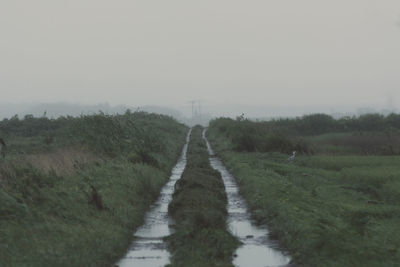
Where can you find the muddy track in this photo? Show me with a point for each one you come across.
(148, 248)
(257, 250)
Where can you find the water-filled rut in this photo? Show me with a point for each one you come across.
(148, 248)
(257, 250)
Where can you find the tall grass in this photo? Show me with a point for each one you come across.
(81, 211)
(314, 134)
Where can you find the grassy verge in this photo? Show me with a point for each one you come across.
(75, 201)
(326, 210)
(199, 209)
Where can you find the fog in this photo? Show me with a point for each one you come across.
(263, 58)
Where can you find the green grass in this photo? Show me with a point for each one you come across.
(356, 143)
(371, 134)
(85, 217)
(326, 210)
(199, 209)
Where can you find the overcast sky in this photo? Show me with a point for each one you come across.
(282, 52)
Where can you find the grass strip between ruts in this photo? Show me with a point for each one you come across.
(199, 209)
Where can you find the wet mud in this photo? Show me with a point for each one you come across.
(148, 248)
(257, 249)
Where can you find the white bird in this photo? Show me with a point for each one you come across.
(291, 158)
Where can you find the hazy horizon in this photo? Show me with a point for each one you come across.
(184, 112)
(227, 53)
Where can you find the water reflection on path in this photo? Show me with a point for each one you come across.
(257, 249)
(148, 248)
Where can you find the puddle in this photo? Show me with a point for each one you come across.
(257, 249)
(148, 248)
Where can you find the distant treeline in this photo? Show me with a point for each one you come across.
(286, 135)
(316, 124)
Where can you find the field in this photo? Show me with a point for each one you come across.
(336, 204)
(74, 189)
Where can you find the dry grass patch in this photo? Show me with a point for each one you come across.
(63, 161)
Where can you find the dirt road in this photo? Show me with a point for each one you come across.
(148, 248)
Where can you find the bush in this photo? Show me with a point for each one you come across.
(251, 136)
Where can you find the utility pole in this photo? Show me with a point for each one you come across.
(193, 102)
(196, 110)
(199, 104)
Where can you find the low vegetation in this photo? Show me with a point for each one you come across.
(336, 207)
(72, 190)
(199, 209)
(370, 134)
